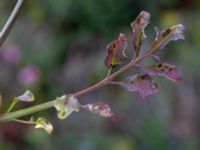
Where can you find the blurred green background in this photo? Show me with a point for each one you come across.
(58, 47)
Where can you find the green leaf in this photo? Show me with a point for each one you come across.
(65, 105)
(138, 26)
(44, 124)
(26, 97)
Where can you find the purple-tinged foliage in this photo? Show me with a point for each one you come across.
(164, 37)
(115, 52)
(143, 84)
(101, 108)
(140, 83)
(138, 26)
(166, 70)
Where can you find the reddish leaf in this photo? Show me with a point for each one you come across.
(142, 84)
(101, 108)
(115, 49)
(164, 37)
(138, 26)
(166, 70)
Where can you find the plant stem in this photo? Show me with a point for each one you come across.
(106, 80)
(10, 22)
(27, 111)
(24, 122)
(24, 112)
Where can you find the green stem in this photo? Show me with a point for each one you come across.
(24, 112)
(24, 121)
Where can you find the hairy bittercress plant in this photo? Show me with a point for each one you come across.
(143, 83)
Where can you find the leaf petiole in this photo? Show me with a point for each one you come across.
(24, 121)
(109, 72)
(15, 101)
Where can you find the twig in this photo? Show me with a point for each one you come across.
(27, 111)
(10, 22)
(12, 116)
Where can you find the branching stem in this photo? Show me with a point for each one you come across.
(27, 111)
(13, 116)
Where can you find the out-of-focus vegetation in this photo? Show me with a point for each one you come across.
(58, 47)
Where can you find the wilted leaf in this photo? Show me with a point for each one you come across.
(65, 105)
(166, 70)
(115, 52)
(138, 26)
(164, 37)
(142, 84)
(26, 97)
(101, 108)
(44, 124)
